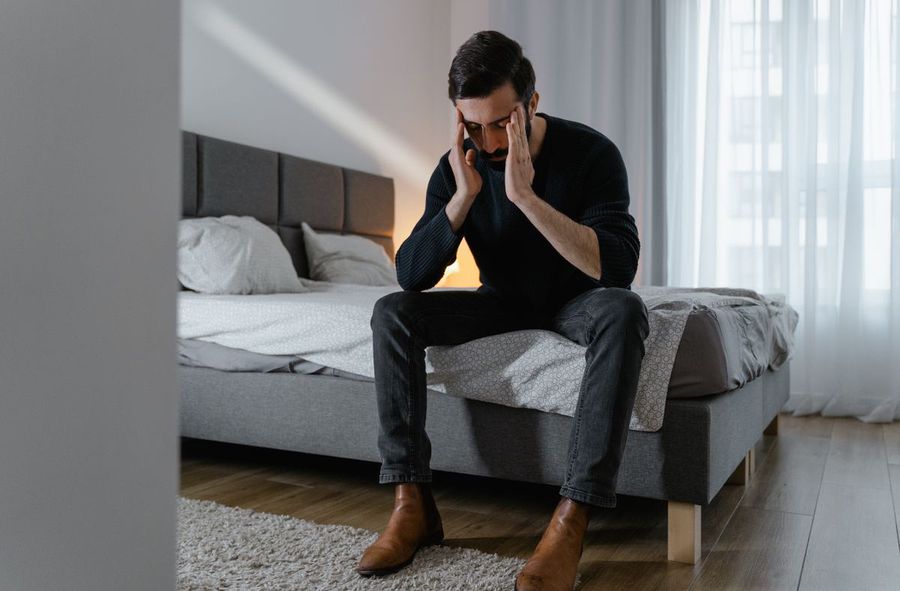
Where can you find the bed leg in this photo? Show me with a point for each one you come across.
(772, 428)
(684, 532)
(743, 474)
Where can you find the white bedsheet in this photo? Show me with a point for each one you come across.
(536, 369)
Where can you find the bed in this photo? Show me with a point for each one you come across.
(722, 394)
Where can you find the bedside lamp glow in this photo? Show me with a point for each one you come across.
(450, 270)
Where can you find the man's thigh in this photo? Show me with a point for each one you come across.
(448, 317)
(577, 317)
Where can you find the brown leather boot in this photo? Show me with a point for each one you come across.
(554, 564)
(415, 522)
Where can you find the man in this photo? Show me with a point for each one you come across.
(543, 205)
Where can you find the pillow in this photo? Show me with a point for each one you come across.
(234, 255)
(347, 259)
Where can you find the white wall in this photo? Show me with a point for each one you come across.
(357, 83)
(89, 197)
(363, 84)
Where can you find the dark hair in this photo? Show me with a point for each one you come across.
(487, 61)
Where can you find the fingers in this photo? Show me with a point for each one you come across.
(515, 133)
(470, 157)
(511, 137)
(459, 134)
(520, 128)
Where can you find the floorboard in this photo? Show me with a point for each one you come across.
(820, 513)
(853, 543)
(856, 455)
(759, 549)
(789, 480)
(892, 442)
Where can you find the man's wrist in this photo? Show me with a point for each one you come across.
(525, 199)
(462, 201)
(457, 209)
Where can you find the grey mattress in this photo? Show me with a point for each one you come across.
(710, 356)
(709, 359)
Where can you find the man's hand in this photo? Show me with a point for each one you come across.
(468, 179)
(519, 168)
(576, 242)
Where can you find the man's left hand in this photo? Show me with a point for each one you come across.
(519, 168)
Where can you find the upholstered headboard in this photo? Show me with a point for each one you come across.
(280, 190)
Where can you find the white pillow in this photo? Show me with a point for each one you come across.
(347, 259)
(235, 255)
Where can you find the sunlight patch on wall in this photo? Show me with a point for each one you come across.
(396, 156)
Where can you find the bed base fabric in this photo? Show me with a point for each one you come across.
(703, 442)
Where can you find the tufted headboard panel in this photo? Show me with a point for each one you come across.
(225, 178)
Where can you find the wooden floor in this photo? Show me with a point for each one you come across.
(820, 513)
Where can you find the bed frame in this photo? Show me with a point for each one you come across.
(704, 442)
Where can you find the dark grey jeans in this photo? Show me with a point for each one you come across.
(611, 322)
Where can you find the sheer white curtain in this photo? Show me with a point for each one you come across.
(782, 176)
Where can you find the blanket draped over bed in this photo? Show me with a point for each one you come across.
(539, 369)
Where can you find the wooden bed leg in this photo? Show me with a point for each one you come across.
(743, 474)
(772, 429)
(684, 532)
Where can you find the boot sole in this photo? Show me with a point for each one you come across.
(388, 570)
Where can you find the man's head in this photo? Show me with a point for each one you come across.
(488, 78)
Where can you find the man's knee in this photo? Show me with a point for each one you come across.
(394, 306)
(620, 305)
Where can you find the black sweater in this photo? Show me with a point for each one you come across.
(578, 171)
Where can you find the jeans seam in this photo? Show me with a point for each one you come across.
(403, 477)
(602, 500)
(581, 394)
(409, 400)
(576, 433)
(588, 325)
(568, 487)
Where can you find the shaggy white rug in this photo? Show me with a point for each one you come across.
(223, 547)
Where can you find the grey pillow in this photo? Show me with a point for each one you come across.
(347, 259)
(234, 255)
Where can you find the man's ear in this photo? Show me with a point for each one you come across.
(532, 108)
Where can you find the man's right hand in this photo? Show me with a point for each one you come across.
(468, 179)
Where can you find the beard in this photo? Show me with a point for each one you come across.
(500, 165)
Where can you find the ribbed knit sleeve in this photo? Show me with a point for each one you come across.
(606, 212)
(432, 245)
